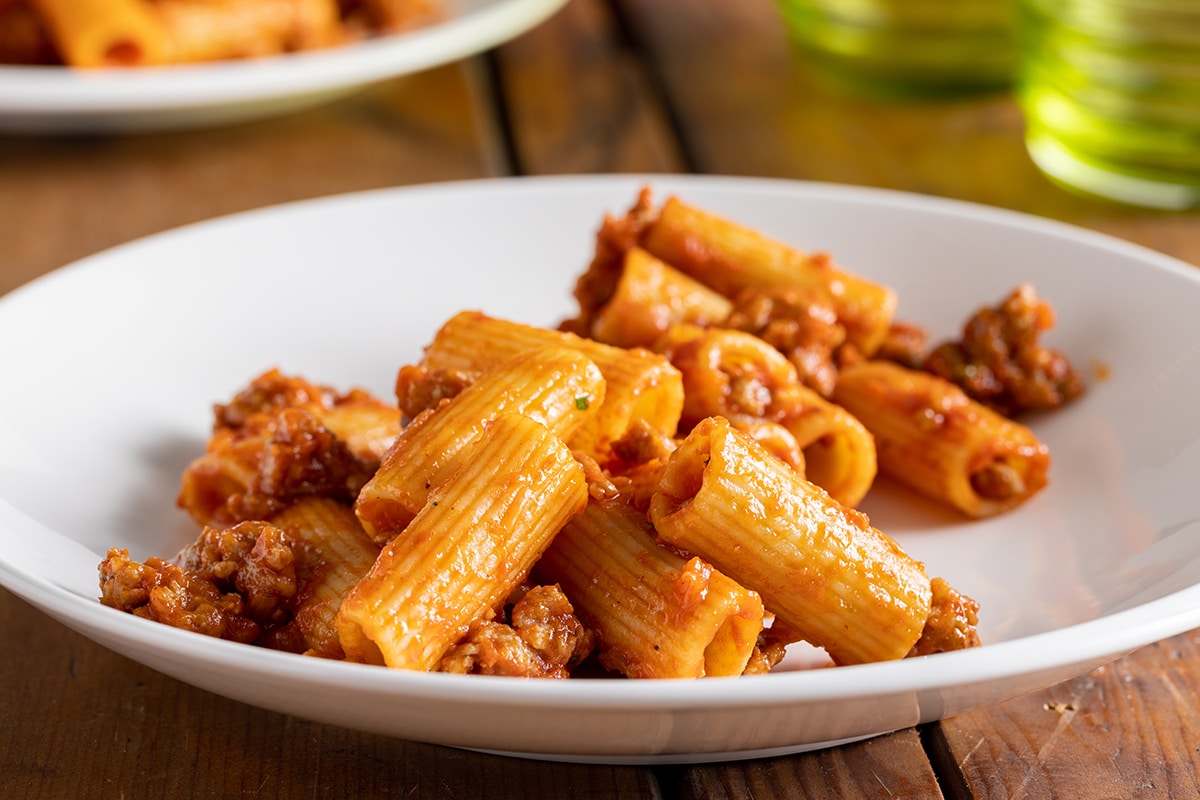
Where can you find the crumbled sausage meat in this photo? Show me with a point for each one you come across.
(617, 235)
(801, 324)
(161, 591)
(543, 639)
(951, 623)
(418, 388)
(1000, 362)
(255, 559)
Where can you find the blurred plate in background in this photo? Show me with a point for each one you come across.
(40, 100)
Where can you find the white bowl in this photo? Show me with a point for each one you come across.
(110, 367)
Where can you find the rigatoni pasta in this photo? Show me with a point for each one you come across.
(649, 298)
(677, 501)
(819, 566)
(730, 257)
(839, 451)
(104, 33)
(657, 614)
(475, 539)
(727, 373)
(639, 385)
(89, 34)
(736, 375)
(560, 388)
(217, 31)
(933, 438)
(337, 554)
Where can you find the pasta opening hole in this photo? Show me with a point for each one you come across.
(998, 480)
(123, 53)
(658, 407)
(826, 463)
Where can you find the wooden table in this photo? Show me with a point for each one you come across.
(604, 86)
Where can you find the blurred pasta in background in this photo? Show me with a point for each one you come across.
(134, 33)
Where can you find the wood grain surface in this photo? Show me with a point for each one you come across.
(604, 86)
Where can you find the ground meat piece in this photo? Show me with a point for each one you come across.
(269, 393)
(167, 593)
(493, 648)
(255, 559)
(638, 483)
(904, 344)
(998, 480)
(1000, 362)
(951, 623)
(617, 235)
(287, 638)
(642, 443)
(801, 324)
(304, 458)
(545, 619)
(367, 424)
(641, 455)
(419, 389)
(544, 639)
(599, 483)
(276, 461)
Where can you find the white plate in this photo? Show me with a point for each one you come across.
(60, 100)
(110, 367)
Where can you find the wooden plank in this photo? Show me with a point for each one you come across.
(891, 767)
(62, 199)
(595, 111)
(79, 721)
(1130, 729)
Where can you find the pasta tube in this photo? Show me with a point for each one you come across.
(727, 372)
(649, 297)
(367, 426)
(820, 567)
(933, 438)
(640, 385)
(104, 33)
(839, 451)
(775, 439)
(658, 615)
(210, 30)
(471, 544)
(736, 375)
(337, 553)
(267, 463)
(730, 257)
(558, 387)
(365, 423)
